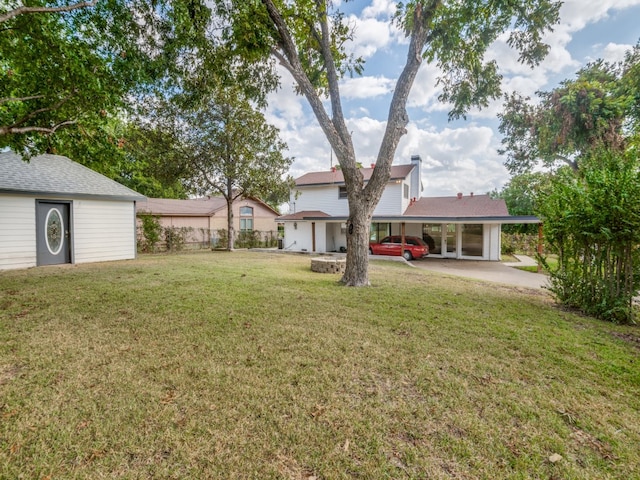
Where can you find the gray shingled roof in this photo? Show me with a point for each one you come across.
(57, 176)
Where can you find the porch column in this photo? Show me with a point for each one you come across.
(539, 246)
(402, 232)
(313, 236)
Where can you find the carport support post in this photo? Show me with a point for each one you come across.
(539, 247)
(313, 236)
(402, 232)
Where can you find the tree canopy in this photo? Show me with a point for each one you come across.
(598, 108)
(307, 39)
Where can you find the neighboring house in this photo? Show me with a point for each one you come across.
(204, 217)
(462, 226)
(54, 210)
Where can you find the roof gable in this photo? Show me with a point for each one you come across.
(58, 176)
(398, 172)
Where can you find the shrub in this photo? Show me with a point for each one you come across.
(592, 219)
(176, 237)
(149, 233)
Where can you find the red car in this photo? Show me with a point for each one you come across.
(414, 247)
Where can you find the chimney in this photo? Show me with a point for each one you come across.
(333, 169)
(416, 177)
(471, 194)
(373, 165)
(459, 195)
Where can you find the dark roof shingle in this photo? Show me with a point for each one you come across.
(398, 172)
(58, 176)
(202, 207)
(465, 206)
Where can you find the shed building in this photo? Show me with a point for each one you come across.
(54, 210)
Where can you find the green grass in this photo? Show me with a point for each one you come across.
(249, 365)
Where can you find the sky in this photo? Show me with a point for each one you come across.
(459, 156)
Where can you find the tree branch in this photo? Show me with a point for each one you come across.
(20, 99)
(27, 10)
(48, 130)
(398, 117)
(290, 60)
(30, 115)
(332, 76)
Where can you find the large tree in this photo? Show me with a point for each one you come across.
(597, 109)
(307, 38)
(69, 69)
(231, 150)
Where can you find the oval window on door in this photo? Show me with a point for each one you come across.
(54, 233)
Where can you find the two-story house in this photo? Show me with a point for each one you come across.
(461, 226)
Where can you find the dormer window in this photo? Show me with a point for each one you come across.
(342, 192)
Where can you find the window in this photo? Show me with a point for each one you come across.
(246, 219)
(246, 224)
(472, 239)
(406, 190)
(342, 192)
(379, 231)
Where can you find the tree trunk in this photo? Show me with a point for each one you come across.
(230, 231)
(358, 227)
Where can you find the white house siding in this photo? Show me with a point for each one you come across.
(324, 199)
(103, 230)
(17, 232)
(391, 201)
(298, 238)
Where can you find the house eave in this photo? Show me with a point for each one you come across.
(523, 219)
(78, 196)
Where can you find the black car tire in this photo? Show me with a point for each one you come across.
(407, 255)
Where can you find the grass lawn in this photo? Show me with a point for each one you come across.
(249, 365)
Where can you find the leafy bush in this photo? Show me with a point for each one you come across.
(221, 240)
(149, 233)
(519, 243)
(176, 237)
(592, 219)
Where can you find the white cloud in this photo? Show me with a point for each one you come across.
(380, 8)
(370, 36)
(366, 87)
(455, 159)
(577, 14)
(614, 52)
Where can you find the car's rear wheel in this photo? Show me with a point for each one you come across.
(407, 255)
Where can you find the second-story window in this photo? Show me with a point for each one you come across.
(342, 192)
(246, 219)
(406, 190)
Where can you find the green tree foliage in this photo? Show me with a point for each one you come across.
(593, 221)
(67, 67)
(230, 150)
(520, 196)
(593, 110)
(307, 39)
(152, 161)
(72, 72)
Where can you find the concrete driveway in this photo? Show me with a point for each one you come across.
(498, 272)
